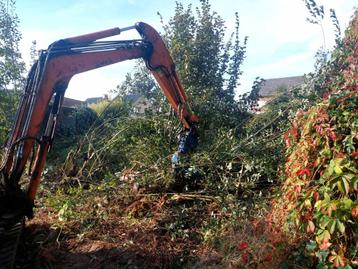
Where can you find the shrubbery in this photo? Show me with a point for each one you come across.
(320, 192)
(117, 172)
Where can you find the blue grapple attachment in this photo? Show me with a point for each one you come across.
(188, 141)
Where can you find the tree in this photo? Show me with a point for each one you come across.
(11, 65)
(34, 53)
(208, 65)
(141, 82)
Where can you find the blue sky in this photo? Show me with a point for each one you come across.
(281, 43)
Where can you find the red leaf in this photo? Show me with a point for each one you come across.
(287, 140)
(355, 212)
(340, 155)
(325, 245)
(308, 216)
(245, 257)
(294, 132)
(333, 135)
(243, 245)
(303, 172)
(297, 189)
(268, 257)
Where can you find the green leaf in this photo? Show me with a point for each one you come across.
(331, 167)
(322, 255)
(332, 226)
(338, 169)
(318, 204)
(340, 187)
(347, 203)
(345, 181)
(321, 265)
(326, 152)
(311, 245)
(355, 183)
(327, 198)
(323, 236)
(324, 221)
(341, 226)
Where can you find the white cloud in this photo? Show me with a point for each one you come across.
(281, 25)
(274, 28)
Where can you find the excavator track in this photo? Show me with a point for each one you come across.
(9, 240)
(11, 224)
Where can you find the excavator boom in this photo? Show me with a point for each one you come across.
(48, 79)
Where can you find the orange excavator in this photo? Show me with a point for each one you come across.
(31, 138)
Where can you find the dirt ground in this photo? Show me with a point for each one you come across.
(43, 246)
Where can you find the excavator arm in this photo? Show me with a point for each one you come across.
(49, 78)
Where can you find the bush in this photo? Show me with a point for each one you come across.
(8, 105)
(111, 109)
(320, 192)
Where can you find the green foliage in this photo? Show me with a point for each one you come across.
(8, 105)
(73, 124)
(209, 67)
(75, 121)
(117, 144)
(316, 12)
(85, 118)
(11, 66)
(335, 23)
(317, 15)
(321, 187)
(261, 144)
(34, 53)
(141, 83)
(111, 109)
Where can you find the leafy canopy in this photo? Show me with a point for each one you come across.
(207, 61)
(11, 65)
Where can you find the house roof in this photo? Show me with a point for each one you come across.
(132, 98)
(271, 87)
(69, 102)
(93, 100)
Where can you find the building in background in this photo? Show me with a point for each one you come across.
(69, 102)
(272, 87)
(139, 102)
(95, 100)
